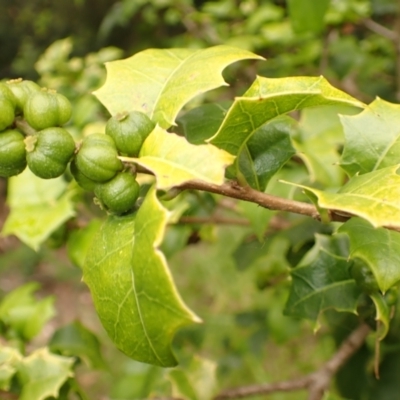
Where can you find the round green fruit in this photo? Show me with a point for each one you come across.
(7, 114)
(22, 90)
(129, 131)
(97, 158)
(119, 194)
(6, 93)
(49, 152)
(12, 153)
(364, 277)
(44, 109)
(83, 181)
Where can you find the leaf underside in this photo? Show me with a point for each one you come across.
(131, 285)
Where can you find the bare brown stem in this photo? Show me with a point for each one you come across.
(379, 29)
(316, 383)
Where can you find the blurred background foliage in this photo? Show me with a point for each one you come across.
(64, 45)
(351, 42)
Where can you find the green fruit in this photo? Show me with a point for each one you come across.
(83, 181)
(119, 194)
(97, 158)
(7, 114)
(129, 131)
(49, 152)
(7, 106)
(44, 109)
(364, 277)
(12, 153)
(22, 90)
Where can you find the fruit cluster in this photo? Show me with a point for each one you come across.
(31, 134)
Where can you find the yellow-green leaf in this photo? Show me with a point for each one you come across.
(374, 196)
(42, 374)
(38, 207)
(174, 161)
(132, 288)
(268, 98)
(160, 82)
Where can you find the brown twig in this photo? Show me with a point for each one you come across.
(271, 202)
(379, 29)
(316, 383)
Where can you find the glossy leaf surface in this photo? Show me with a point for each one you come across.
(269, 98)
(379, 248)
(321, 281)
(266, 152)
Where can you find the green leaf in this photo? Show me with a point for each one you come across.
(197, 381)
(79, 242)
(76, 340)
(318, 142)
(321, 281)
(202, 122)
(382, 315)
(374, 196)
(372, 138)
(266, 152)
(25, 315)
(174, 161)
(38, 207)
(9, 359)
(307, 15)
(160, 82)
(42, 374)
(269, 98)
(131, 286)
(379, 248)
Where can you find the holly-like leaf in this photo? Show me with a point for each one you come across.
(131, 285)
(9, 359)
(266, 152)
(202, 122)
(320, 136)
(23, 314)
(76, 340)
(42, 374)
(38, 207)
(379, 248)
(372, 138)
(269, 98)
(382, 315)
(374, 196)
(174, 161)
(321, 281)
(160, 82)
(197, 381)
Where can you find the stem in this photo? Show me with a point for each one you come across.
(24, 127)
(317, 382)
